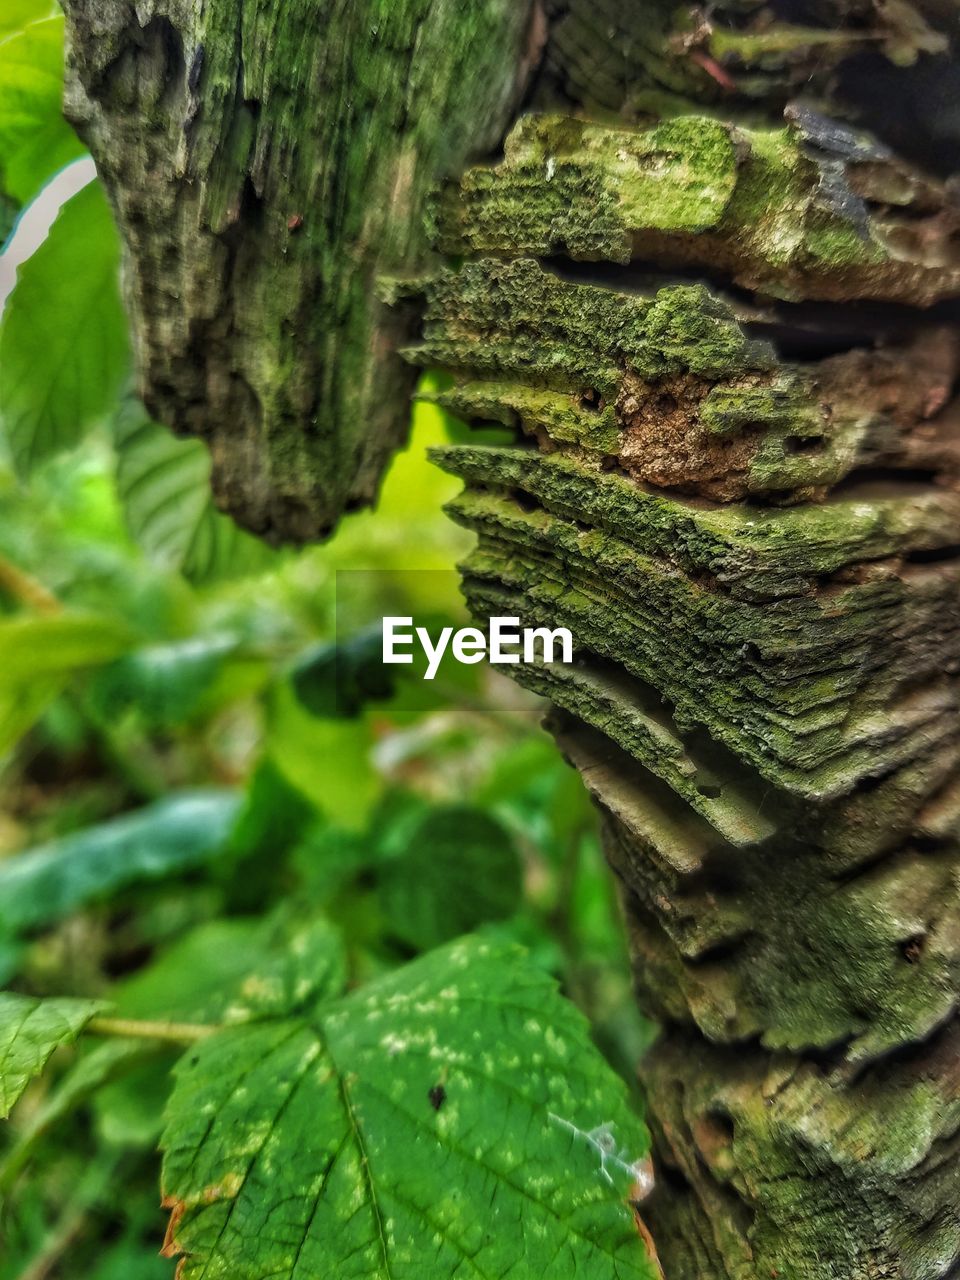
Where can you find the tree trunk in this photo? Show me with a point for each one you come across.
(742, 499)
(266, 159)
(724, 318)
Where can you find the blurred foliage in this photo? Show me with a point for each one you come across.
(215, 805)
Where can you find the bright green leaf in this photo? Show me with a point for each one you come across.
(164, 485)
(39, 653)
(30, 1030)
(450, 1118)
(64, 347)
(330, 761)
(458, 869)
(35, 140)
(51, 644)
(17, 14)
(164, 839)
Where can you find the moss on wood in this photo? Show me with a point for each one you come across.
(761, 205)
(671, 387)
(265, 159)
(756, 554)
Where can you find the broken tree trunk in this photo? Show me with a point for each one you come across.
(265, 160)
(723, 319)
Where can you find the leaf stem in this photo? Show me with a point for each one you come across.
(138, 1028)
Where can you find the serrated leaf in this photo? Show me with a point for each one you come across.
(39, 653)
(458, 869)
(64, 346)
(231, 971)
(239, 971)
(35, 139)
(168, 838)
(164, 485)
(452, 1118)
(30, 1030)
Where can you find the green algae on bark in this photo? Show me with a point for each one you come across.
(764, 698)
(669, 384)
(643, 55)
(754, 552)
(784, 939)
(751, 203)
(780, 1165)
(818, 751)
(265, 159)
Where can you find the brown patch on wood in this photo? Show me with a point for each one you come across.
(665, 444)
(909, 384)
(912, 950)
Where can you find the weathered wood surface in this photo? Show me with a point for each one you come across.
(728, 342)
(266, 159)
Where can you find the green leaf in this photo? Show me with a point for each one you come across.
(274, 819)
(91, 1072)
(38, 654)
(51, 644)
(35, 140)
(329, 859)
(239, 971)
(229, 971)
(164, 839)
(30, 1030)
(458, 868)
(337, 680)
(329, 761)
(164, 485)
(17, 14)
(165, 683)
(452, 1118)
(340, 679)
(8, 218)
(64, 347)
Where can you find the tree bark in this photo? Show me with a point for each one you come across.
(723, 319)
(730, 338)
(265, 160)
